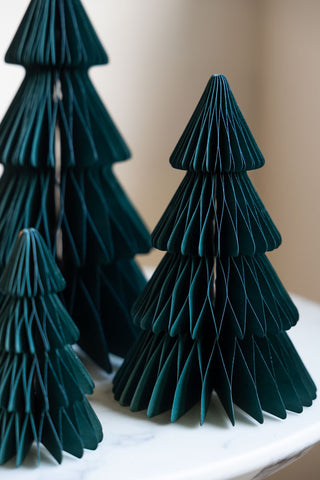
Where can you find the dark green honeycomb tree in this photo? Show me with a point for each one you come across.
(58, 144)
(42, 381)
(215, 313)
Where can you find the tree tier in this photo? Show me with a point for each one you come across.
(216, 215)
(42, 399)
(164, 373)
(98, 222)
(42, 381)
(35, 324)
(201, 297)
(70, 429)
(217, 138)
(35, 387)
(47, 99)
(56, 33)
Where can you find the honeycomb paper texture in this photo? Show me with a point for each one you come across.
(215, 313)
(42, 381)
(58, 144)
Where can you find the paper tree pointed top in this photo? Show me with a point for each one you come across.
(217, 137)
(31, 269)
(56, 33)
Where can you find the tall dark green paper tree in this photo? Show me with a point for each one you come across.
(58, 145)
(215, 313)
(42, 381)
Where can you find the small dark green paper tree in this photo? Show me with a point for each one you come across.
(42, 381)
(215, 313)
(57, 145)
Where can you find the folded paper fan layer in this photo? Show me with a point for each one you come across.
(234, 293)
(216, 214)
(98, 221)
(217, 137)
(35, 317)
(42, 382)
(46, 99)
(165, 373)
(56, 33)
(215, 313)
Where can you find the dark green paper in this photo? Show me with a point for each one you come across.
(215, 313)
(42, 381)
(58, 144)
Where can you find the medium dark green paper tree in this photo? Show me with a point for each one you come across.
(42, 381)
(58, 144)
(215, 313)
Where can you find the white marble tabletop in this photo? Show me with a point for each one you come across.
(137, 448)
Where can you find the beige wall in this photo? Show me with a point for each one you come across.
(161, 56)
(289, 133)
